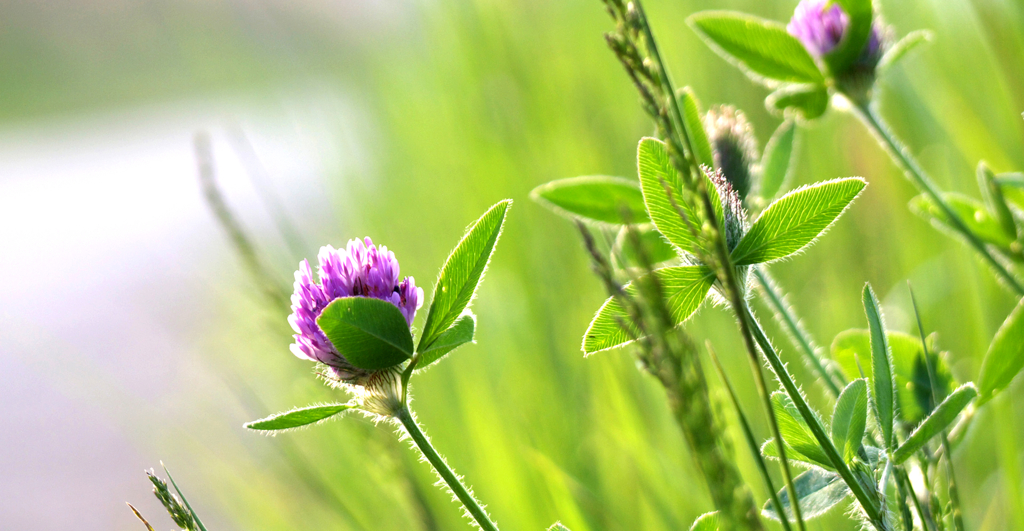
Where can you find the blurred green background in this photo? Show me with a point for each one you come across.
(130, 332)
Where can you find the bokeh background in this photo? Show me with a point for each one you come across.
(131, 332)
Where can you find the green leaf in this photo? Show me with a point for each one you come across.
(371, 333)
(856, 35)
(912, 383)
(849, 418)
(883, 384)
(183, 499)
(777, 160)
(655, 167)
(684, 288)
(658, 249)
(460, 333)
(805, 101)
(817, 490)
(937, 422)
(796, 435)
(557, 526)
(462, 273)
(595, 198)
(1005, 356)
(1014, 179)
(899, 50)
(692, 116)
(795, 220)
(992, 193)
(762, 48)
(970, 211)
(295, 418)
(706, 522)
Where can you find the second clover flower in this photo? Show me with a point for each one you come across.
(361, 269)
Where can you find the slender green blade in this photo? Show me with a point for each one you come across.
(594, 198)
(800, 442)
(761, 48)
(692, 116)
(684, 287)
(884, 384)
(777, 160)
(970, 211)
(1005, 356)
(460, 333)
(849, 418)
(818, 491)
(940, 419)
(370, 333)
(912, 383)
(297, 417)
(706, 522)
(904, 46)
(795, 220)
(995, 202)
(557, 526)
(807, 101)
(140, 517)
(183, 499)
(462, 273)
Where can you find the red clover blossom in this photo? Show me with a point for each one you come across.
(821, 26)
(359, 270)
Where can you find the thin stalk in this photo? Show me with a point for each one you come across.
(461, 492)
(868, 503)
(800, 336)
(676, 128)
(729, 278)
(926, 521)
(920, 179)
(748, 434)
(954, 493)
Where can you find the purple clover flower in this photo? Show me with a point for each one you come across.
(820, 27)
(359, 270)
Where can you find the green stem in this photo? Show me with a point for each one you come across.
(803, 340)
(954, 492)
(867, 502)
(748, 434)
(461, 492)
(921, 180)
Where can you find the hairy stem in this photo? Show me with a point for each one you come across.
(454, 483)
(869, 503)
(920, 179)
(784, 314)
(675, 129)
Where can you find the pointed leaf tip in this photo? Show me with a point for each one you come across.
(796, 219)
(462, 273)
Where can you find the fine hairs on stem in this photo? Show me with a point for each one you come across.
(668, 354)
(649, 74)
(473, 507)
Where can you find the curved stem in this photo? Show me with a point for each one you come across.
(867, 502)
(784, 313)
(916, 174)
(461, 492)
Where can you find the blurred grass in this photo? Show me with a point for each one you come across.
(465, 102)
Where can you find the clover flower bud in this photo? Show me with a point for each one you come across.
(735, 149)
(359, 270)
(821, 24)
(734, 215)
